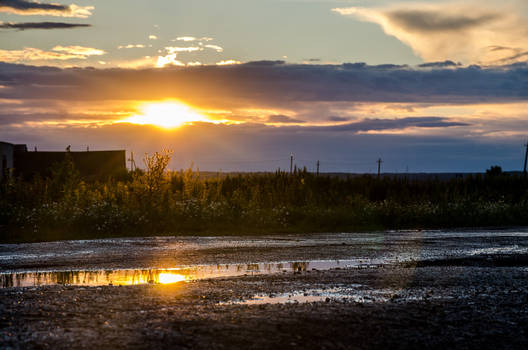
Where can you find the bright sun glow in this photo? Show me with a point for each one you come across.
(166, 115)
(167, 277)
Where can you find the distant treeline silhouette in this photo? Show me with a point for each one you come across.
(157, 202)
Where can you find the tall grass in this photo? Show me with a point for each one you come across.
(156, 201)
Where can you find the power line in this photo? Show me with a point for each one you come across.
(240, 161)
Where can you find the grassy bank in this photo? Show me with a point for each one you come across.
(157, 202)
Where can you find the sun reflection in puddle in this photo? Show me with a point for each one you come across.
(168, 278)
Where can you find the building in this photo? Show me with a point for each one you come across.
(90, 164)
(6, 157)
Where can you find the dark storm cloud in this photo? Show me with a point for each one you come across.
(515, 56)
(443, 64)
(279, 118)
(389, 124)
(29, 8)
(429, 21)
(42, 25)
(270, 84)
(23, 5)
(337, 119)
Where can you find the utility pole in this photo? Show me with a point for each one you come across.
(525, 159)
(379, 161)
(132, 162)
(318, 168)
(291, 163)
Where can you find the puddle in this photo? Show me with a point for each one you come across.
(172, 275)
(352, 293)
(355, 293)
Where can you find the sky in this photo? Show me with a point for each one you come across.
(240, 85)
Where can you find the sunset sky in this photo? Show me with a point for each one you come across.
(439, 85)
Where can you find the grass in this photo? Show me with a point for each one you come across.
(157, 202)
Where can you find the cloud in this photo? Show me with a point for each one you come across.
(138, 63)
(168, 60)
(41, 25)
(264, 83)
(174, 49)
(283, 119)
(227, 62)
(215, 47)
(390, 124)
(468, 32)
(57, 53)
(23, 7)
(131, 46)
(431, 21)
(337, 119)
(444, 64)
(192, 38)
(80, 51)
(265, 148)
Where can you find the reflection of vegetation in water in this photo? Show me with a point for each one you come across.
(186, 202)
(93, 278)
(6, 280)
(252, 267)
(299, 266)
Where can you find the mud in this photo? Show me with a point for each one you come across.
(466, 290)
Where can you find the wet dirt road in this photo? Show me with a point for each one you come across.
(336, 291)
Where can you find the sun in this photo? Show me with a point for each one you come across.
(166, 115)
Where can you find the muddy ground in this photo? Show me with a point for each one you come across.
(465, 290)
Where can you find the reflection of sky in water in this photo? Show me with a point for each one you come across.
(511, 249)
(165, 276)
(353, 293)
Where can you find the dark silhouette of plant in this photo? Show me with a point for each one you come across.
(495, 170)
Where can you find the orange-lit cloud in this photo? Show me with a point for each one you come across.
(215, 47)
(142, 62)
(80, 51)
(227, 62)
(192, 38)
(57, 53)
(131, 46)
(168, 60)
(174, 49)
(354, 99)
(473, 32)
